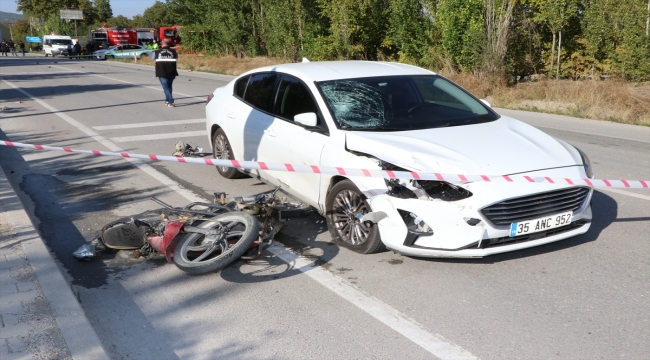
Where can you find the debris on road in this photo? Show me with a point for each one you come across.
(85, 252)
(185, 150)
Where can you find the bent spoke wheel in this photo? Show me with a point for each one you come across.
(222, 150)
(346, 207)
(231, 234)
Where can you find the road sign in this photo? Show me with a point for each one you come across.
(72, 14)
(33, 39)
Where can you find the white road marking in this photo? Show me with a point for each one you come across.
(150, 124)
(113, 147)
(374, 307)
(381, 311)
(159, 136)
(127, 82)
(628, 193)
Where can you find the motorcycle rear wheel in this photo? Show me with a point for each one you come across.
(195, 255)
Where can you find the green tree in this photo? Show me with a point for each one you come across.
(407, 30)
(119, 21)
(54, 24)
(556, 15)
(103, 10)
(462, 32)
(156, 16)
(357, 28)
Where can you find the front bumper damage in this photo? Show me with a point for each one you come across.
(458, 229)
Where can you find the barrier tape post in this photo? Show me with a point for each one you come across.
(314, 169)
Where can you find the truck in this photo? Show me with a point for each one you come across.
(145, 35)
(104, 38)
(170, 32)
(54, 45)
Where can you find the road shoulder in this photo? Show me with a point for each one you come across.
(24, 257)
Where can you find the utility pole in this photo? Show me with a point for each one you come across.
(11, 34)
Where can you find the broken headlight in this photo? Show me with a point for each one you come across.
(434, 189)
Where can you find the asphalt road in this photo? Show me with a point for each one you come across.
(581, 298)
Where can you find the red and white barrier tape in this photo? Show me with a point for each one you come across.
(386, 174)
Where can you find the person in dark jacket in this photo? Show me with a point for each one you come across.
(90, 48)
(77, 50)
(3, 47)
(12, 47)
(166, 69)
(22, 47)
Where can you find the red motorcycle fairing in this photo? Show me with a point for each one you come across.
(167, 244)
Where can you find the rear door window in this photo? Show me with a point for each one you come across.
(293, 98)
(259, 92)
(240, 86)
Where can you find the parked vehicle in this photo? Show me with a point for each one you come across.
(122, 51)
(104, 38)
(375, 115)
(54, 45)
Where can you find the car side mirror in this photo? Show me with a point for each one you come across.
(486, 102)
(306, 119)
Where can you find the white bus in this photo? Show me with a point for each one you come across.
(55, 44)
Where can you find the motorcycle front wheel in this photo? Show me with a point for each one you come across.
(197, 254)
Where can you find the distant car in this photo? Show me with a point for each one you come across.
(397, 117)
(122, 51)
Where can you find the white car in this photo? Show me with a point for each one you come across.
(376, 115)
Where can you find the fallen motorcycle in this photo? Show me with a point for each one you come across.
(200, 237)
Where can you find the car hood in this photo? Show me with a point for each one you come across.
(502, 147)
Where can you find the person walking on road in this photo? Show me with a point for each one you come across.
(12, 47)
(22, 47)
(3, 47)
(166, 69)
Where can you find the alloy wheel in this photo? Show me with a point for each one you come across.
(347, 213)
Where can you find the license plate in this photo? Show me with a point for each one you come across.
(541, 224)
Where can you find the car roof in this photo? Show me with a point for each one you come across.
(335, 70)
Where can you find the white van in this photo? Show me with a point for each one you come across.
(55, 44)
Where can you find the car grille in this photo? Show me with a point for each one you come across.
(536, 206)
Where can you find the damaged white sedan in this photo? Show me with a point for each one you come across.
(374, 115)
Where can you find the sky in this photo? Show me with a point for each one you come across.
(128, 8)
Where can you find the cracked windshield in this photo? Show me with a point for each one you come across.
(397, 103)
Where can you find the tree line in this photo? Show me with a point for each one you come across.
(510, 39)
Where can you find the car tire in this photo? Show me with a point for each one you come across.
(222, 150)
(343, 205)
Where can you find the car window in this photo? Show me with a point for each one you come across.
(405, 102)
(293, 98)
(240, 86)
(259, 92)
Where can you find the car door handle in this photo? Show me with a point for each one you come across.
(230, 114)
(270, 133)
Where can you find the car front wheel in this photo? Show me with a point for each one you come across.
(222, 150)
(345, 206)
